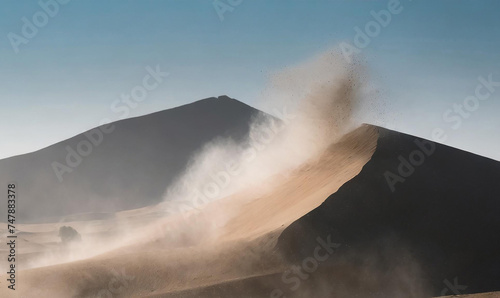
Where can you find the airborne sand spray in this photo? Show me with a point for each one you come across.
(314, 104)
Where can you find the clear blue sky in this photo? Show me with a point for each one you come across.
(65, 78)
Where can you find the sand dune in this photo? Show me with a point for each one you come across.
(435, 231)
(244, 249)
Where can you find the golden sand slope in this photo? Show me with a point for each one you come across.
(242, 246)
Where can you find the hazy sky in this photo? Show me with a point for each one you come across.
(67, 73)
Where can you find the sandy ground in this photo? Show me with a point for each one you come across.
(143, 253)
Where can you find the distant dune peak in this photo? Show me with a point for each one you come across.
(130, 167)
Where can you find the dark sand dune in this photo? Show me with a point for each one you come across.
(138, 159)
(442, 223)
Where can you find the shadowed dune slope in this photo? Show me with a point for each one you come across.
(440, 223)
(139, 158)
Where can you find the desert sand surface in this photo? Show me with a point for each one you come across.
(155, 261)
